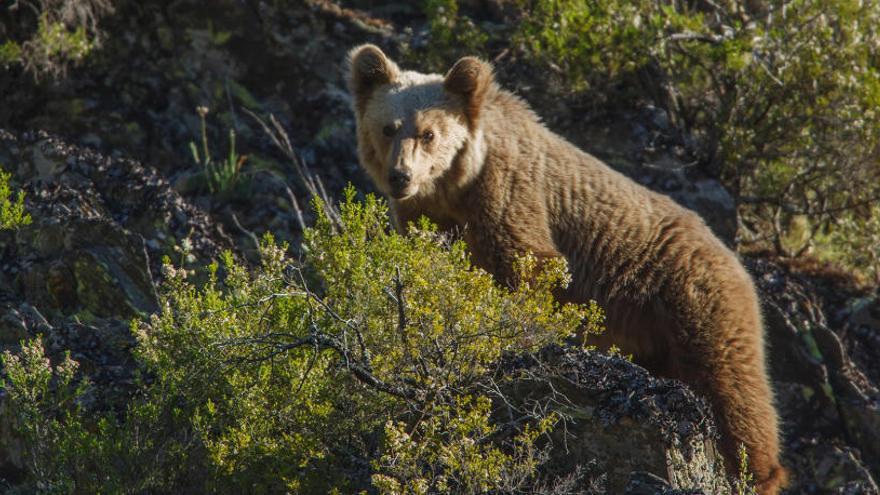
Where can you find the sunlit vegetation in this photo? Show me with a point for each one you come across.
(372, 357)
(778, 99)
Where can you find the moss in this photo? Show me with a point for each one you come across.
(166, 37)
(807, 393)
(97, 289)
(84, 316)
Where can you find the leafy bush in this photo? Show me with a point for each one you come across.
(855, 241)
(458, 464)
(452, 35)
(12, 214)
(329, 374)
(67, 448)
(591, 43)
(48, 424)
(47, 36)
(780, 99)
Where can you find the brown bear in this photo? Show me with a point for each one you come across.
(474, 157)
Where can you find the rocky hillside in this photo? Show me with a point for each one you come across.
(112, 187)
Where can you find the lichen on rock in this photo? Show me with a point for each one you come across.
(621, 418)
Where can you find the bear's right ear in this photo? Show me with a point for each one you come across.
(368, 68)
(470, 79)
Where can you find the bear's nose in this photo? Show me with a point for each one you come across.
(399, 179)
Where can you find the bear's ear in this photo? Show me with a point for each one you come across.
(368, 68)
(469, 79)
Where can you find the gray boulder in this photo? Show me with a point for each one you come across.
(619, 420)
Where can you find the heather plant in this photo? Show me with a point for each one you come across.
(444, 442)
(68, 446)
(592, 44)
(329, 373)
(744, 483)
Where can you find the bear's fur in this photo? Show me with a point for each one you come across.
(473, 157)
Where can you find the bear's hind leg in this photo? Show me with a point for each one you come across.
(738, 389)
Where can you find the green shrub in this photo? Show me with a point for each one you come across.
(781, 100)
(12, 214)
(48, 36)
(44, 414)
(855, 242)
(591, 43)
(798, 124)
(458, 464)
(453, 35)
(313, 376)
(68, 448)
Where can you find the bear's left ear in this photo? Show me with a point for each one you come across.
(368, 69)
(469, 79)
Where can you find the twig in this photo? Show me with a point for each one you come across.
(153, 289)
(690, 36)
(401, 304)
(296, 209)
(320, 340)
(311, 181)
(247, 232)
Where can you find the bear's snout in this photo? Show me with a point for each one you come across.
(399, 180)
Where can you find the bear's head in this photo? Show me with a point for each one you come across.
(415, 129)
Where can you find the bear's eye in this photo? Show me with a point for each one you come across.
(389, 130)
(427, 137)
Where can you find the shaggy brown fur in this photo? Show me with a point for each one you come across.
(472, 156)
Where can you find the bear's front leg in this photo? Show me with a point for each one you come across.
(404, 214)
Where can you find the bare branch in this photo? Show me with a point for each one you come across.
(248, 233)
(311, 181)
(691, 36)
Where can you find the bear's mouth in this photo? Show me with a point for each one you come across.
(403, 192)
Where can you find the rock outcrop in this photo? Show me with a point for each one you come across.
(828, 400)
(620, 421)
(88, 262)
